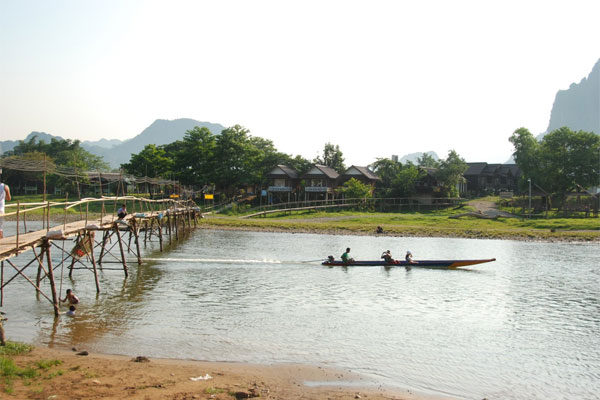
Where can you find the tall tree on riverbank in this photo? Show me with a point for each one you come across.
(152, 161)
(64, 161)
(194, 159)
(561, 162)
(427, 160)
(397, 179)
(332, 157)
(450, 173)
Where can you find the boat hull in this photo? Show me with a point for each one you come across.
(442, 264)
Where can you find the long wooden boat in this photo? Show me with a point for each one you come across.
(442, 264)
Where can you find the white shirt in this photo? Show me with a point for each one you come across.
(2, 197)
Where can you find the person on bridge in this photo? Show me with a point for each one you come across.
(4, 196)
(122, 212)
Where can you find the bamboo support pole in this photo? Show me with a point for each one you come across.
(124, 260)
(169, 227)
(72, 266)
(20, 272)
(24, 221)
(44, 178)
(91, 242)
(160, 238)
(129, 241)
(51, 278)
(152, 221)
(137, 242)
(65, 216)
(145, 232)
(175, 223)
(18, 213)
(105, 236)
(40, 260)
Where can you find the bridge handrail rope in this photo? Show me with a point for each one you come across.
(70, 204)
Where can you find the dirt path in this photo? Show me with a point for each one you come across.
(489, 208)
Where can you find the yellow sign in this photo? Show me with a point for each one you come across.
(174, 196)
(209, 197)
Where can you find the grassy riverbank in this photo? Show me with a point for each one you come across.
(437, 223)
(428, 224)
(49, 373)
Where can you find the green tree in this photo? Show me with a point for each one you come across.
(332, 157)
(427, 160)
(65, 153)
(234, 154)
(194, 157)
(527, 155)
(71, 161)
(558, 163)
(388, 170)
(298, 162)
(450, 173)
(569, 159)
(153, 161)
(397, 180)
(354, 188)
(405, 183)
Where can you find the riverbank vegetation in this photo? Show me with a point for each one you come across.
(423, 224)
(31, 374)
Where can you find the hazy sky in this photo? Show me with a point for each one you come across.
(376, 77)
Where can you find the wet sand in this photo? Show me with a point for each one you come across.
(101, 376)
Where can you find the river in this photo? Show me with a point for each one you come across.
(526, 326)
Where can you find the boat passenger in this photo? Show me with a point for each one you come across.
(387, 256)
(346, 257)
(408, 258)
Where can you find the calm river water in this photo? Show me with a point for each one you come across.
(526, 326)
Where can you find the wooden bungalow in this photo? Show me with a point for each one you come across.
(283, 183)
(320, 183)
(484, 178)
(362, 174)
(428, 186)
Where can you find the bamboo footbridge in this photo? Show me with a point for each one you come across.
(92, 242)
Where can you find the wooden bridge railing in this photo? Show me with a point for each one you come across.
(150, 205)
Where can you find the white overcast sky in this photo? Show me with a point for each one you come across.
(375, 77)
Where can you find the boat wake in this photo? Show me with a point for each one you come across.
(214, 260)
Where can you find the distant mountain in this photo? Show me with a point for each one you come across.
(160, 132)
(414, 157)
(579, 106)
(8, 145)
(116, 152)
(103, 143)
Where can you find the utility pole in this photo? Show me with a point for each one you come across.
(529, 181)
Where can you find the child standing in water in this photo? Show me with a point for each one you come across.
(70, 297)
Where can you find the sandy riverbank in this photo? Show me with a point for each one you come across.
(98, 376)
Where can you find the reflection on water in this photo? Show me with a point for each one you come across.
(526, 326)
